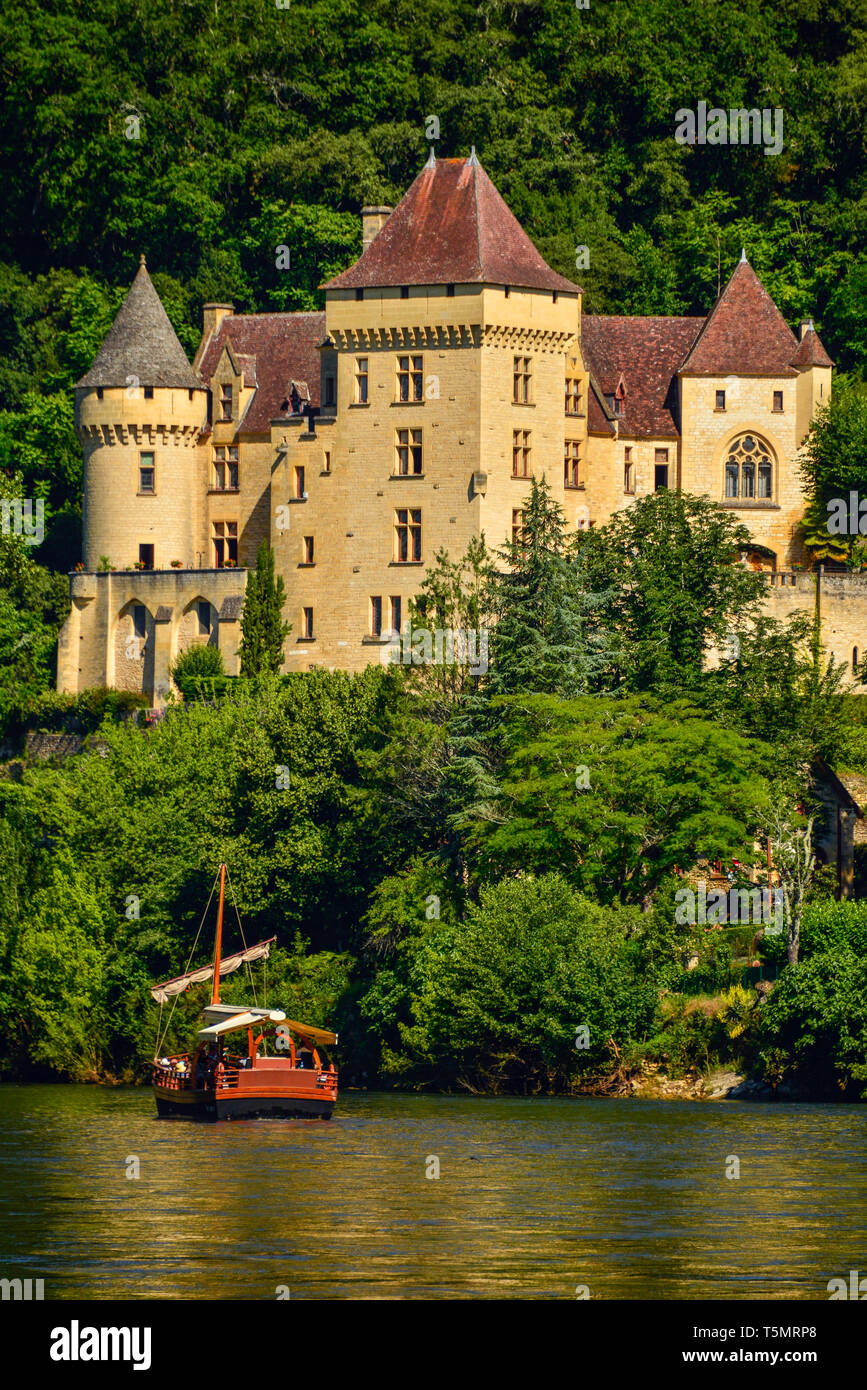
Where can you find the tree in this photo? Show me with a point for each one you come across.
(528, 991)
(677, 587)
(791, 840)
(616, 794)
(263, 630)
(548, 631)
(834, 464)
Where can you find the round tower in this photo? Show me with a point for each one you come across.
(139, 413)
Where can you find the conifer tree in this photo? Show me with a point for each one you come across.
(263, 630)
(549, 636)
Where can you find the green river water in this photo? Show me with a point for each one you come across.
(535, 1198)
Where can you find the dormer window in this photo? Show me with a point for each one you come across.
(226, 392)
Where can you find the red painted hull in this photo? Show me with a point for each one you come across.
(271, 1089)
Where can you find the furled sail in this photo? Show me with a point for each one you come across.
(261, 951)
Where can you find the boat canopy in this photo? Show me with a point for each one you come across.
(228, 1018)
(261, 951)
(239, 1020)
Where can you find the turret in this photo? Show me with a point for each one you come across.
(139, 413)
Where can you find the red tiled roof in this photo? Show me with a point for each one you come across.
(452, 227)
(810, 352)
(272, 350)
(646, 354)
(744, 333)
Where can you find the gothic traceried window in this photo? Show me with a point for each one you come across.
(749, 469)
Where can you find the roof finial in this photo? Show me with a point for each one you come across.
(141, 259)
(472, 159)
(431, 159)
(743, 256)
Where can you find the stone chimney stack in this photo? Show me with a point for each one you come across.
(372, 222)
(806, 325)
(212, 317)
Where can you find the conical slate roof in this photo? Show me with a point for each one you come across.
(141, 344)
(452, 227)
(811, 352)
(745, 333)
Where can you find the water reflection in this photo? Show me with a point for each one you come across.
(534, 1198)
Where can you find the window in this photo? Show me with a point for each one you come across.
(226, 469)
(572, 464)
(307, 624)
(308, 550)
(517, 527)
(404, 291)
(99, 393)
(146, 473)
(149, 393)
(408, 536)
(359, 294)
(226, 401)
(326, 463)
(329, 390)
(450, 291)
(396, 612)
(204, 614)
(778, 402)
(554, 297)
(854, 661)
(507, 290)
(146, 556)
(376, 617)
(409, 453)
(520, 453)
(720, 400)
(521, 380)
(573, 395)
(361, 381)
(139, 620)
(748, 469)
(410, 378)
(299, 481)
(660, 473)
(225, 543)
(628, 470)
(617, 401)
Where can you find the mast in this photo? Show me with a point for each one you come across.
(215, 994)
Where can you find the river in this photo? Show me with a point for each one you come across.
(536, 1198)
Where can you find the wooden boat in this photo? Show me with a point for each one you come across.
(215, 1082)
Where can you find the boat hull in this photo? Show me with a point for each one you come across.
(204, 1105)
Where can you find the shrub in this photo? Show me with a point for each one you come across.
(200, 660)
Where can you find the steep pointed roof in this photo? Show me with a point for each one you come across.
(141, 343)
(452, 227)
(811, 352)
(744, 333)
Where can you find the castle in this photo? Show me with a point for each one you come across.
(449, 366)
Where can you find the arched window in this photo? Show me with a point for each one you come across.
(749, 470)
(854, 660)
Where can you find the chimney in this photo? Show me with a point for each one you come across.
(806, 324)
(212, 317)
(372, 222)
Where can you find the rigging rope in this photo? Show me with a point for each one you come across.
(161, 1038)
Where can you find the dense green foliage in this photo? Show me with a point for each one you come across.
(477, 888)
(462, 866)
